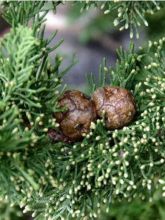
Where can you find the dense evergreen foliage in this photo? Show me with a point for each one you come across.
(65, 181)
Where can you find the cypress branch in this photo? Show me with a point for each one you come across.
(128, 14)
(63, 181)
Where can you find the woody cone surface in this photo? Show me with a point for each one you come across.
(80, 112)
(116, 104)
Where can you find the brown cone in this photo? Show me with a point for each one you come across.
(116, 104)
(80, 112)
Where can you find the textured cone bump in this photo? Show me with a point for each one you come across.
(80, 112)
(116, 104)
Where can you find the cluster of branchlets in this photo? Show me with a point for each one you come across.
(26, 98)
(107, 165)
(111, 165)
(129, 14)
(25, 118)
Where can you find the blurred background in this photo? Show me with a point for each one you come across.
(91, 36)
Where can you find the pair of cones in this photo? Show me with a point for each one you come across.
(115, 104)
